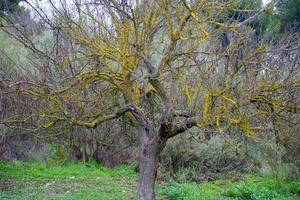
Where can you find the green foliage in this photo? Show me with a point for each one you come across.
(294, 187)
(263, 187)
(282, 18)
(240, 10)
(253, 187)
(8, 6)
(288, 11)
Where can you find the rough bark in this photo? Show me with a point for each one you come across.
(151, 145)
(148, 162)
(148, 159)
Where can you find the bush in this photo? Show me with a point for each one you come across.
(262, 187)
(190, 158)
(185, 159)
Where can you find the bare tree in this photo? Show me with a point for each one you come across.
(157, 63)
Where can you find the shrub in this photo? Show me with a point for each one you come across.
(189, 160)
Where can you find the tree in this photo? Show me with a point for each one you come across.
(158, 64)
(8, 6)
(288, 13)
(282, 17)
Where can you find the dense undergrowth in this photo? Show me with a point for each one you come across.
(33, 180)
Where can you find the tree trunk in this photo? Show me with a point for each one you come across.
(151, 145)
(148, 162)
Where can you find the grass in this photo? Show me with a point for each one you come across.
(35, 181)
(90, 181)
(252, 187)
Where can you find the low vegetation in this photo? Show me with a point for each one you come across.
(72, 181)
(28, 181)
(251, 187)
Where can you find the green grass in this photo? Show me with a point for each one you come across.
(91, 181)
(252, 187)
(35, 181)
(38, 170)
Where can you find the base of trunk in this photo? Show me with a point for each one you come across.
(148, 164)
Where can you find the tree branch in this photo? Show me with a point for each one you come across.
(183, 126)
(137, 113)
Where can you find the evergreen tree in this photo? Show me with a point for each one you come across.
(284, 17)
(9, 6)
(289, 14)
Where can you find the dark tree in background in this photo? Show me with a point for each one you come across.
(289, 14)
(9, 6)
(281, 17)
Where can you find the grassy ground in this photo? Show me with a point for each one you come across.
(35, 181)
(253, 187)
